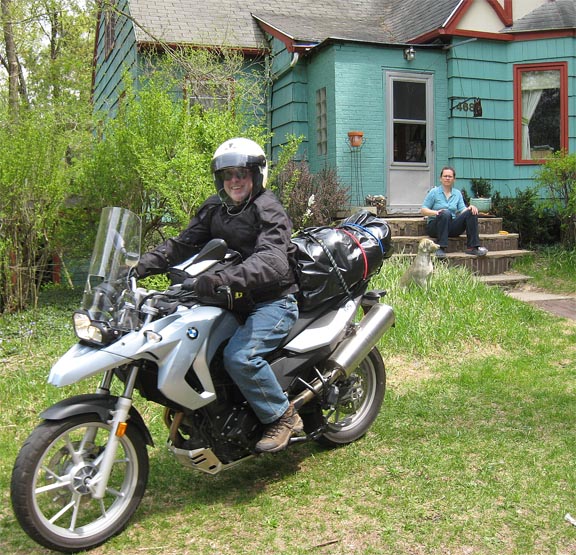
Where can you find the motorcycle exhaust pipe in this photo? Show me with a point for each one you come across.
(350, 353)
(354, 349)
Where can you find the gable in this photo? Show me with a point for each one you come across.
(500, 19)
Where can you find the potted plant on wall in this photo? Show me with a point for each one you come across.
(481, 199)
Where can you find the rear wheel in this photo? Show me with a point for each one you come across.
(50, 488)
(360, 398)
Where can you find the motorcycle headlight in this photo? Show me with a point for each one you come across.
(90, 331)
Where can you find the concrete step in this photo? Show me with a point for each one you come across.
(417, 226)
(408, 244)
(508, 280)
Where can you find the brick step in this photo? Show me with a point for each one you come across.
(495, 262)
(406, 244)
(417, 226)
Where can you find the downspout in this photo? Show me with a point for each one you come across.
(273, 78)
(294, 61)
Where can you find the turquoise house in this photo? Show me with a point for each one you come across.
(486, 86)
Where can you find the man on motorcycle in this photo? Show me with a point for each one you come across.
(252, 222)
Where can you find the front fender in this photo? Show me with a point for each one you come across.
(101, 405)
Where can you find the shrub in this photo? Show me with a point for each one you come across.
(154, 156)
(35, 175)
(557, 176)
(521, 214)
(310, 199)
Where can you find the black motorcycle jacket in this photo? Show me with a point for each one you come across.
(259, 230)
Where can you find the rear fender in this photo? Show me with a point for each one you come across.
(100, 405)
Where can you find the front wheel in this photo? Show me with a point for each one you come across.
(50, 489)
(360, 397)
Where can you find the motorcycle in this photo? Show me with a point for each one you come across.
(82, 472)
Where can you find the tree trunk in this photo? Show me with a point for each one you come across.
(11, 57)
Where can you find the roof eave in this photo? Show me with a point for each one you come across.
(292, 44)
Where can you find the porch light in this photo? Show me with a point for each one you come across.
(409, 53)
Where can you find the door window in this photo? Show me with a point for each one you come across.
(409, 121)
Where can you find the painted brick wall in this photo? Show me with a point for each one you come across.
(360, 104)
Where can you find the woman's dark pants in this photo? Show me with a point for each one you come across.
(444, 226)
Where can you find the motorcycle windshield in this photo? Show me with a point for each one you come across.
(116, 251)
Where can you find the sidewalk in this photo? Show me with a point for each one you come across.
(560, 305)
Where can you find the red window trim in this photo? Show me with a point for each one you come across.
(518, 70)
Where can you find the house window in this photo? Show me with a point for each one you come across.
(110, 17)
(321, 125)
(540, 111)
(210, 93)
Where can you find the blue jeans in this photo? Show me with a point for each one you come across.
(444, 226)
(265, 328)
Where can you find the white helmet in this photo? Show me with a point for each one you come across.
(240, 153)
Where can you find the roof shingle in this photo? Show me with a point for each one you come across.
(560, 14)
(230, 22)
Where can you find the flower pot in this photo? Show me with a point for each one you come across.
(355, 138)
(483, 204)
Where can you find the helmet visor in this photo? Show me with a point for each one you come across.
(236, 160)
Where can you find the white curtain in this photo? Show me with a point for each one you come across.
(533, 83)
(530, 101)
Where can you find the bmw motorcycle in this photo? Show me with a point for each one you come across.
(82, 472)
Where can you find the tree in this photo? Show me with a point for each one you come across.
(44, 127)
(46, 51)
(10, 62)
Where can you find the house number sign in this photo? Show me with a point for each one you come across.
(473, 105)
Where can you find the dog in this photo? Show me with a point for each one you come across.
(421, 268)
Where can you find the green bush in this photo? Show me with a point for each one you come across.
(557, 176)
(521, 214)
(36, 169)
(154, 156)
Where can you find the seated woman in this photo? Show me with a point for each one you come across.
(448, 216)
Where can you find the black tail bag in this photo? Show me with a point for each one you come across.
(332, 260)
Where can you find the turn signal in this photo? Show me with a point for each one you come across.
(121, 430)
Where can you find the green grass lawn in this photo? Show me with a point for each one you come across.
(474, 451)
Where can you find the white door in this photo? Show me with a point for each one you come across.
(410, 155)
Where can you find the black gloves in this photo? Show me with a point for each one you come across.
(139, 272)
(204, 286)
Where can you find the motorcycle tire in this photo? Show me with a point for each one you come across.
(49, 494)
(360, 398)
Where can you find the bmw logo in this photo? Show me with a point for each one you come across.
(192, 333)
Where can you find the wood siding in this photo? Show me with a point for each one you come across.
(484, 147)
(109, 70)
(288, 104)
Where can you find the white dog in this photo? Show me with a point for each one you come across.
(421, 268)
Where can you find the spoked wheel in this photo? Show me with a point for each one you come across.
(361, 396)
(50, 489)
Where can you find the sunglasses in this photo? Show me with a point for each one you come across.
(239, 173)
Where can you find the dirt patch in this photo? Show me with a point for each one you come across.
(402, 373)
